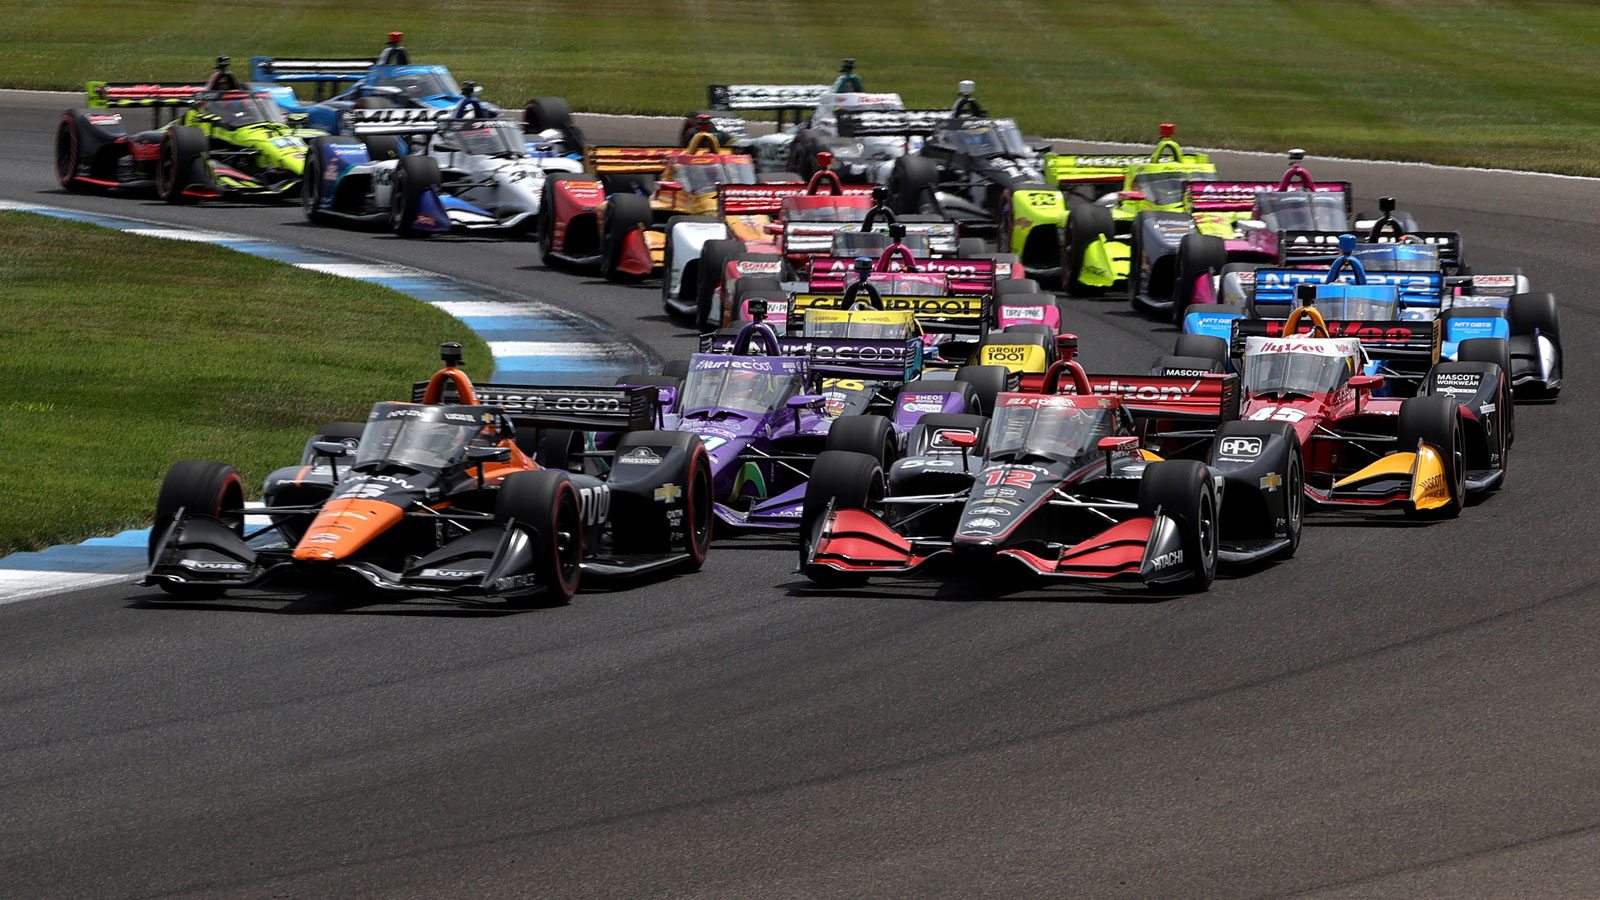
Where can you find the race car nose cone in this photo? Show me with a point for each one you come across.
(345, 526)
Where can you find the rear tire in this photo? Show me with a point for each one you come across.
(911, 185)
(546, 501)
(988, 382)
(868, 435)
(1205, 346)
(1497, 351)
(1182, 489)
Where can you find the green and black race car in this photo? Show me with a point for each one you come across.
(221, 140)
(1080, 224)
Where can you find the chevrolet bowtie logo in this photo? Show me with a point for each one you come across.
(668, 493)
(1269, 483)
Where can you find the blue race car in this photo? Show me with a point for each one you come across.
(388, 81)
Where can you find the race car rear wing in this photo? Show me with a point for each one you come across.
(582, 408)
(1279, 286)
(1101, 169)
(891, 123)
(773, 97)
(396, 121)
(886, 358)
(816, 238)
(628, 160)
(124, 95)
(1298, 246)
(943, 315)
(1239, 196)
(271, 69)
(1389, 339)
(968, 277)
(767, 199)
(1210, 397)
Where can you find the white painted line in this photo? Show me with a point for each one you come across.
(488, 308)
(188, 234)
(364, 270)
(23, 584)
(554, 348)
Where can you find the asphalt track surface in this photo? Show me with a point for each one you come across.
(1399, 711)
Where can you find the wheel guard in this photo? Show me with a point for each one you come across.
(1415, 478)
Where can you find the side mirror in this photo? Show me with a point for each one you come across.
(446, 146)
(297, 118)
(1118, 442)
(1131, 195)
(489, 454)
(805, 401)
(1251, 225)
(669, 185)
(1366, 382)
(774, 228)
(963, 439)
(334, 449)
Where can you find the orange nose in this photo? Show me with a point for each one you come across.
(345, 526)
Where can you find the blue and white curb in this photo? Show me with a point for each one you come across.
(533, 343)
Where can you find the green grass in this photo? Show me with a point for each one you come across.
(125, 354)
(1505, 84)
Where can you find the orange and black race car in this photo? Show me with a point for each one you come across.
(443, 495)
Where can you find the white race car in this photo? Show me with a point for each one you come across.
(426, 171)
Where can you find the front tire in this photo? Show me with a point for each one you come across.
(413, 177)
(1435, 420)
(1182, 489)
(847, 481)
(546, 501)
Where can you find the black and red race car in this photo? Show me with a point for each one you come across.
(441, 495)
(205, 140)
(1061, 483)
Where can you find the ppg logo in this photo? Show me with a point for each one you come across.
(1241, 447)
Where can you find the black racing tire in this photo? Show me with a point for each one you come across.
(624, 213)
(545, 501)
(671, 381)
(311, 180)
(752, 286)
(545, 113)
(1293, 485)
(969, 394)
(544, 228)
(374, 103)
(988, 382)
(347, 433)
(558, 448)
(1085, 224)
(1497, 351)
(380, 147)
(1535, 312)
(69, 153)
(870, 435)
(714, 256)
(847, 481)
(1007, 286)
(414, 176)
(639, 184)
(181, 163)
(912, 181)
(971, 248)
(1182, 489)
(1436, 420)
(1205, 346)
(1197, 255)
(676, 368)
(198, 487)
(1195, 363)
(802, 156)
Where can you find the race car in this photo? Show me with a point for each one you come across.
(440, 496)
(1409, 300)
(615, 218)
(473, 170)
(766, 405)
(816, 110)
(217, 140)
(388, 81)
(1057, 227)
(1424, 454)
(1060, 483)
(968, 165)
